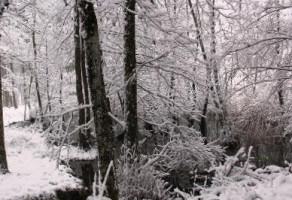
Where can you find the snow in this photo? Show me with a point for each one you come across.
(32, 171)
(275, 189)
(75, 153)
(13, 115)
(276, 184)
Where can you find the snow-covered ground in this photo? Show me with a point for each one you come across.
(278, 188)
(32, 171)
(13, 115)
(271, 183)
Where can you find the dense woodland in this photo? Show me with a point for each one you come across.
(159, 89)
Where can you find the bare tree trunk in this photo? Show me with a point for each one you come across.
(3, 159)
(37, 87)
(172, 84)
(83, 140)
(218, 99)
(85, 86)
(279, 72)
(6, 95)
(14, 101)
(48, 80)
(203, 121)
(24, 92)
(100, 106)
(61, 91)
(29, 87)
(130, 77)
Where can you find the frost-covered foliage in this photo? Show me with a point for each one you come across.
(256, 120)
(140, 181)
(189, 153)
(262, 125)
(237, 179)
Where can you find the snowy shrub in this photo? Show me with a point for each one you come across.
(235, 181)
(258, 120)
(138, 181)
(190, 153)
(262, 126)
(232, 179)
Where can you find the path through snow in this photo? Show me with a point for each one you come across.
(33, 173)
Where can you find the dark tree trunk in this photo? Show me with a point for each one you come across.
(100, 107)
(83, 140)
(6, 95)
(203, 121)
(130, 77)
(280, 73)
(218, 99)
(85, 86)
(3, 159)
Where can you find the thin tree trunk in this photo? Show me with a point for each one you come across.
(61, 91)
(37, 87)
(100, 107)
(279, 73)
(85, 85)
(48, 80)
(218, 99)
(24, 91)
(203, 121)
(29, 87)
(172, 84)
(14, 101)
(3, 159)
(6, 94)
(130, 77)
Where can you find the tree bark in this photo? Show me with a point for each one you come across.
(37, 87)
(100, 107)
(3, 159)
(218, 99)
(280, 73)
(130, 77)
(48, 80)
(6, 95)
(83, 140)
(203, 121)
(14, 101)
(85, 86)
(24, 91)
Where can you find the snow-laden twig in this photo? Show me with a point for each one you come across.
(247, 160)
(100, 195)
(120, 122)
(69, 111)
(101, 187)
(157, 157)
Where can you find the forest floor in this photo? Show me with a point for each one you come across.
(32, 171)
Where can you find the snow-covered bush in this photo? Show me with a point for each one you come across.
(261, 125)
(190, 153)
(140, 181)
(256, 120)
(236, 180)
